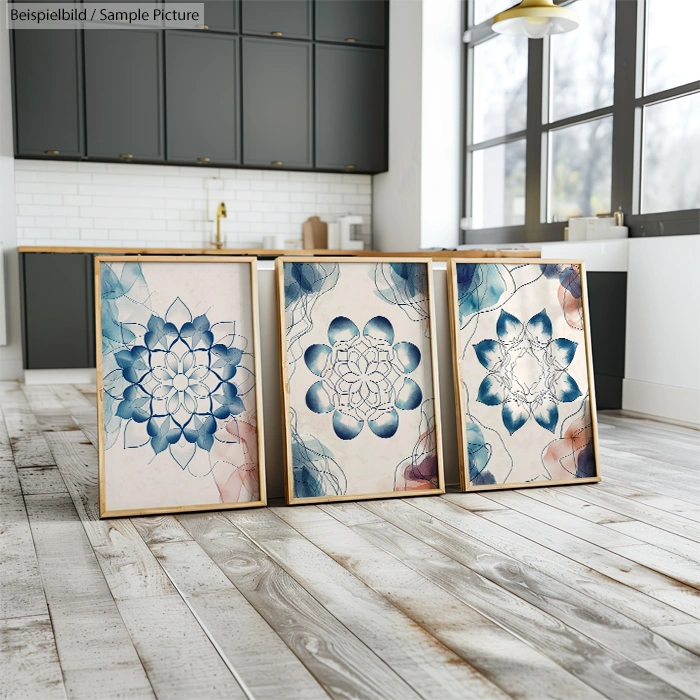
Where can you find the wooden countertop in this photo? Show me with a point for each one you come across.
(257, 252)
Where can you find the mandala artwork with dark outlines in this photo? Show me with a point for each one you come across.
(536, 373)
(363, 377)
(527, 371)
(179, 382)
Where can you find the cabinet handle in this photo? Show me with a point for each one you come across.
(126, 156)
(276, 33)
(351, 41)
(349, 167)
(51, 153)
(276, 162)
(203, 160)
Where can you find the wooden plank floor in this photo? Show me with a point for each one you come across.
(574, 592)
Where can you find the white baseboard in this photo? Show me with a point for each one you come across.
(60, 376)
(660, 400)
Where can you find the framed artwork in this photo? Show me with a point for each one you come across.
(522, 362)
(178, 384)
(359, 378)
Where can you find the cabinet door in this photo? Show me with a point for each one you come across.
(219, 15)
(124, 94)
(48, 89)
(282, 18)
(352, 21)
(350, 109)
(202, 97)
(277, 103)
(58, 318)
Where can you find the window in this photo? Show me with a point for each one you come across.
(670, 172)
(553, 132)
(580, 86)
(497, 152)
(579, 170)
(671, 163)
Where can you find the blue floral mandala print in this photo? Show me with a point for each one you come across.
(363, 377)
(178, 382)
(527, 371)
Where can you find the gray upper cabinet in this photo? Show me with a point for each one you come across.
(277, 103)
(124, 94)
(48, 91)
(219, 15)
(350, 109)
(280, 18)
(296, 84)
(352, 21)
(202, 101)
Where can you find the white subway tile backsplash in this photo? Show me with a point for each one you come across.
(62, 188)
(276, 196)
(263, 185)
(307, 197)
(128, 204)
(344, 189)
(62, 176)
(250, 196)
(316, 187)
(275, 175)
(248, 174)
(78, 200)
(276, 218)
(31, 187)
(356, 199)
(32, 210)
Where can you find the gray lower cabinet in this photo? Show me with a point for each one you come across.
(291, 19)
(202, 100)
(277, 103)
(48, 92)
(219, 15)
(350, 98)
(58, 310)
(607, 304)
(352, 21)
(124, 94)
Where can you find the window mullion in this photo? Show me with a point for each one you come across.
(626, 153)
(533, 152)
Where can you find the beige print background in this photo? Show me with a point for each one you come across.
(135, 478)
(368, 461)
(526, 445)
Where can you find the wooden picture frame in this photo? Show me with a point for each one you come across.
(581, 437)
(324, 269)
(246, 415)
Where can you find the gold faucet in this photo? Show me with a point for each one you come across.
(221, 211)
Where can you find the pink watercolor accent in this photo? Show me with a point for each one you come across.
(246, 475)
(560, 456)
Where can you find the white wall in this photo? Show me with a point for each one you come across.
(397, 201)
(128, 204)
(417, 202)
(662, 352)
(441, 141)
(10, 354)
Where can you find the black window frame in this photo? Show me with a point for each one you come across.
(627, 138)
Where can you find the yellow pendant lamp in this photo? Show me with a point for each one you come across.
(535, 19)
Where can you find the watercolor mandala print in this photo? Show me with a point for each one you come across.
(178, 376)
(363, 377)
(359, 363)
(525, 398)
